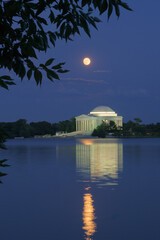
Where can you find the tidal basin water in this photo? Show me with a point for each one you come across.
(81, 189)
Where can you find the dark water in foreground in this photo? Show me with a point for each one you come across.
(81, 190)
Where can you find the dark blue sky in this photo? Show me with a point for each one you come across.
(124, 74)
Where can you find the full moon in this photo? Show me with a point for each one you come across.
(86, 61)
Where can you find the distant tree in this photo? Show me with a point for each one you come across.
(134, 128)
(19, 128)
(112, 126)
(114, 130)
(72, 124)
(128, 128)
(101, 130)
(137, 120)
(29, 26)
(54, 128)
(67, 125)
(105, 129)
(40, 128)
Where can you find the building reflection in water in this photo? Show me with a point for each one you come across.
(88, 215)
(99, 160)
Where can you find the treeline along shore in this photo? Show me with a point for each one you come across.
(21, 128)
(133, 128)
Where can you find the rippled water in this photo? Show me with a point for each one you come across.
(81, 189)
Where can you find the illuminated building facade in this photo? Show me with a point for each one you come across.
(87, 123)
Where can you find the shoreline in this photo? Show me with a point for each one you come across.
(84, 136)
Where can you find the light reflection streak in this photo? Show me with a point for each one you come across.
(88, 215)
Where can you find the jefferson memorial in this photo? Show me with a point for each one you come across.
(87, 123)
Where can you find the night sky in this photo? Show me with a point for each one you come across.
(124, 74)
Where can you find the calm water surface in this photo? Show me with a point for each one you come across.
(86, 189)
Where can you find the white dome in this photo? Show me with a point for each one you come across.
(103, 111)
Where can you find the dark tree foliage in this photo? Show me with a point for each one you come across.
(104, 129)
(21, 128)
(2, 146)
(3, 164)
(40, 128)
(29, 26)
(129, 129)
(18, 128)
(141, 130)
(100, 131)
(66, 126)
